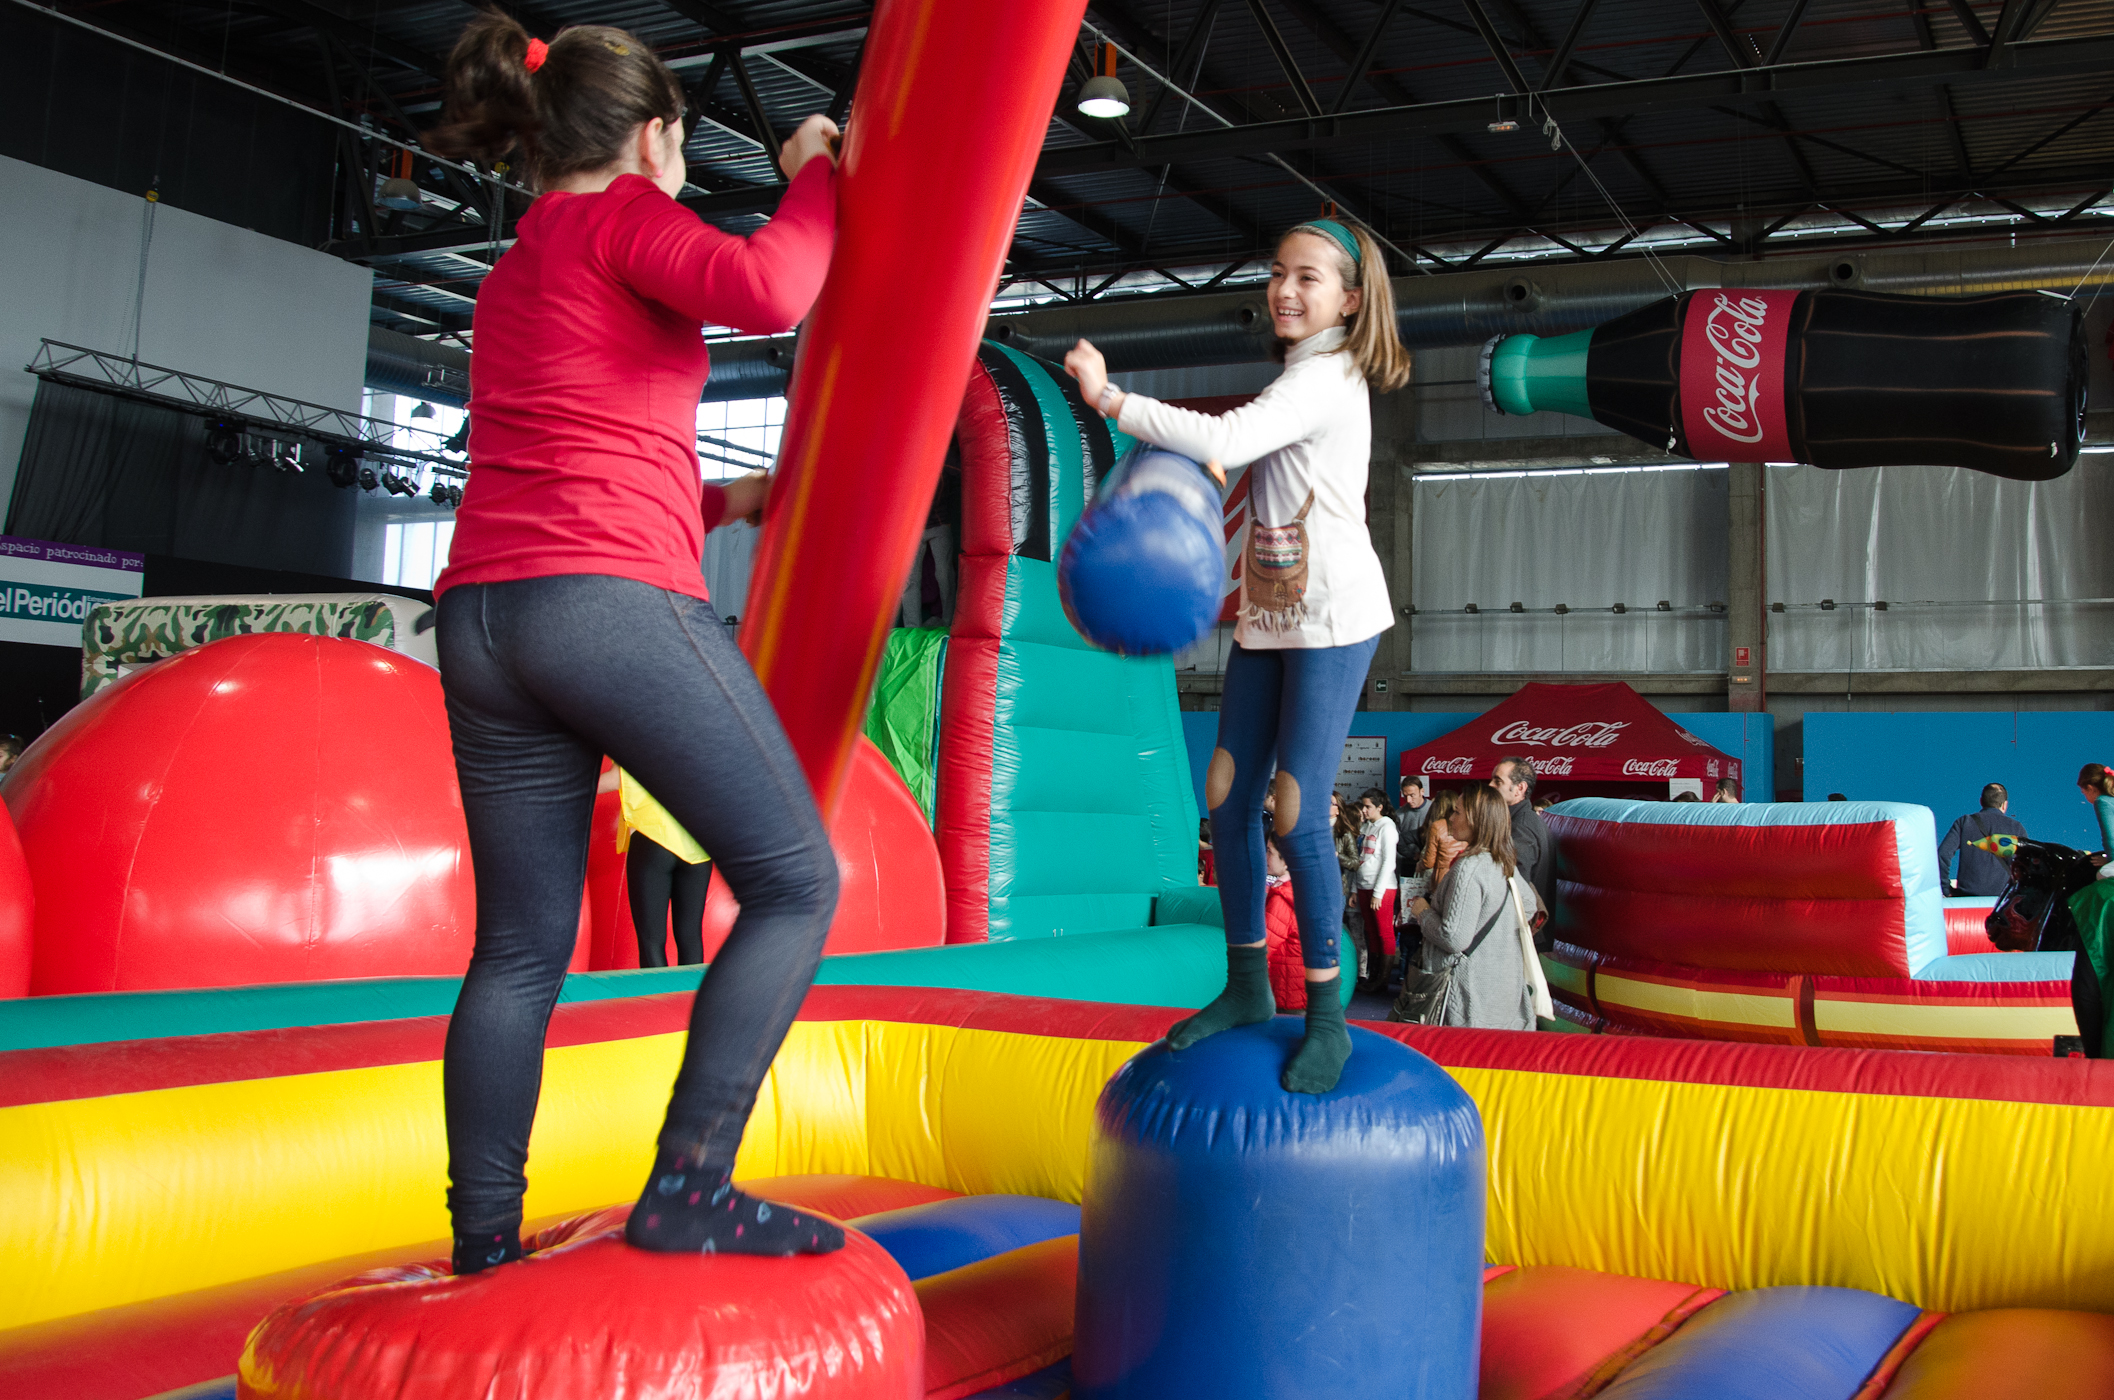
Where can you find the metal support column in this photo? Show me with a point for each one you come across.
(1387, 514)
(1747, 603)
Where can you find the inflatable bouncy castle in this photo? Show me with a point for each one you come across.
(959, 1132)
(1815, 923)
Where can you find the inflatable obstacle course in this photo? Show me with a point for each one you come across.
(1815, 923)
(1065, 802)
(1610, 1239)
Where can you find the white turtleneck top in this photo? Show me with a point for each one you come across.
(1309, 577)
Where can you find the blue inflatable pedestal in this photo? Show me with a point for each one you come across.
(1242, 1241)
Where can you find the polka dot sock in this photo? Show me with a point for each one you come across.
(478, 1250)
(692, 1209)
(1246, 1000)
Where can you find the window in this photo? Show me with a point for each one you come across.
(738, 437)
(415, 551)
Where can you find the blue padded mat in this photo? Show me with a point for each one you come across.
(941, 1235)
(1796, 1343)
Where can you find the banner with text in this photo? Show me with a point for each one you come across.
(47, 589)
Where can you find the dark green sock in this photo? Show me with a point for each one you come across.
(1246, 1000)
(1318, 1062)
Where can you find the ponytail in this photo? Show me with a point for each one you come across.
(1372, 341)
(589, 88)
(2098, 777)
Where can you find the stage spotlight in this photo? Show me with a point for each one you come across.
(341, 466)
(368, 480)
(398, 486)
(287, 458)
(223, 445)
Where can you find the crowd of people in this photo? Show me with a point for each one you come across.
(1428, 884)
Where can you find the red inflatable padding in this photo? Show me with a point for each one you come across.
(1778, 863)
(2010, 1354)
(18, 912)
(1635, 996)
(890, 891)
(1843, 937)
(169, 1343)
(588, 1317)
(1966, 928)
(1554, 1333)
(268, 808)
(999, 1319)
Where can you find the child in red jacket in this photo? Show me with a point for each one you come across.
(1288, 965)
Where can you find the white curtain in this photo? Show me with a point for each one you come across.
(1952, 553)
(730, 552)
(1587, 541)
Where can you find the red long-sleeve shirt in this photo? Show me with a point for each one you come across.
(588, 366)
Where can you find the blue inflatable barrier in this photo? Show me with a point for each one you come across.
(1142, 572)
(1246, 1243)
(941, 1235)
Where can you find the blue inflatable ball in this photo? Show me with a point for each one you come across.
(1141, 573)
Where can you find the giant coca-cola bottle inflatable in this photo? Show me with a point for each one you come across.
(1830, 378)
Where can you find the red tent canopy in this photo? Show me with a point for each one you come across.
(1589, 733)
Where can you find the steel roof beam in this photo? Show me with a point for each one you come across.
(1188, 59)
(1362, 61)
(314, 16)
(2089, 55)
(1496, 45)
(1275, 38)
(1789, 27)
(1552, 73)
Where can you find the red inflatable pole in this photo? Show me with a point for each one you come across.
(954, 99)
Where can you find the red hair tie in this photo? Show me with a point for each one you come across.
(537, 52)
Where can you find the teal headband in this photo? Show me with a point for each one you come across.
(1338, 232)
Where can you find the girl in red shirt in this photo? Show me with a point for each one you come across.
(574, 622)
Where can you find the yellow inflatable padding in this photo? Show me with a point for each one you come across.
(129, 1197)
(1951, 1204)
(639, 810)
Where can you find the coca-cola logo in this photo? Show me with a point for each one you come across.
(1553, 767)
(1459, 766)
(1734, 331)
(1593, 734)
(1650, 768)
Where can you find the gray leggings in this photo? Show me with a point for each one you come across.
(544, 676)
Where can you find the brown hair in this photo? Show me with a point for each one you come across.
(575, 112)
(1373, 342)
(2098, 777)
(1490, 821)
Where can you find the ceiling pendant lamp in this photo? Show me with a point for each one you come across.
(1104, 94)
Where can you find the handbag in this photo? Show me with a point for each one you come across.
(1424, 995)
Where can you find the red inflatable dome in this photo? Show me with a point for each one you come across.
(270, 808)
(892, 892)
(587, 1317)
(17, 912)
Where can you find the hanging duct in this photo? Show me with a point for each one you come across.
(1453, 308)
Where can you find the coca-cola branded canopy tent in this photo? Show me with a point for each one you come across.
(1583, 733)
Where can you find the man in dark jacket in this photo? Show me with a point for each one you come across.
(1532, 844)
(1981, 873)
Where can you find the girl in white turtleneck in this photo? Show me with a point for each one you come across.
(1313, 604)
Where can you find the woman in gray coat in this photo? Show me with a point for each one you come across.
(1471, 920)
